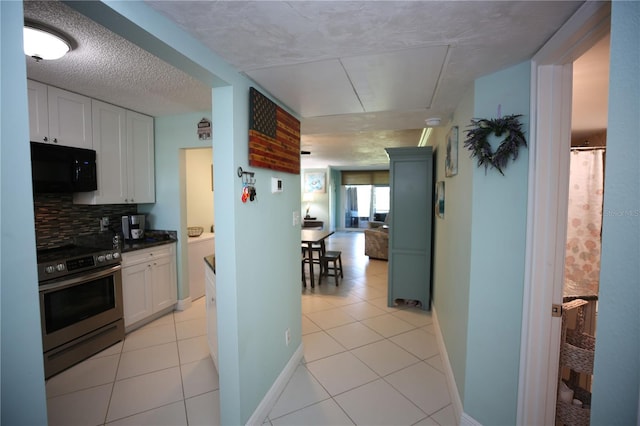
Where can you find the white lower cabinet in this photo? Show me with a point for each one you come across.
(212, 313)
(199, 247)
(149, 282)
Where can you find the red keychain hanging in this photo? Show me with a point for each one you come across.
(245, 194)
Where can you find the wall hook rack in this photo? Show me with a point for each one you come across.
(247, 177)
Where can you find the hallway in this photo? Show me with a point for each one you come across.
(364, 364)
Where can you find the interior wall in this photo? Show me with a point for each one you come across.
(452, 243)
(616, 387)
(498, 245)
(172, 135)
(199, 169)
(319, 207)
(257, 246)
(22, 391)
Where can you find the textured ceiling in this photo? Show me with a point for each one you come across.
(105, 66)
(361, 75)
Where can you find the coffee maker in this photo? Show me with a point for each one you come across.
(133, 227)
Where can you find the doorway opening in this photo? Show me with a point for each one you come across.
(552, 75)
(584, 232)
(365, 204)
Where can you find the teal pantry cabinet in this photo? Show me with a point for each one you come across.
(411, 182)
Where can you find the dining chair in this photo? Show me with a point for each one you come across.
(334, 257)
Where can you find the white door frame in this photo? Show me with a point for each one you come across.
(551, 93)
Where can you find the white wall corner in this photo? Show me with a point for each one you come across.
(271, 397)
(458, 410)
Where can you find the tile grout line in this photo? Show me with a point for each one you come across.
(113, 383)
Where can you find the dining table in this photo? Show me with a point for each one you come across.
(311, 237)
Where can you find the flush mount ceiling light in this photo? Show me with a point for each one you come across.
(432, 121)
(41, 42)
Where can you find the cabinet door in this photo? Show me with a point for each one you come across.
(410, 225)
(140, 155)
(164, 282)
(199, 247)
(110, 144)
(212, 314)
(69, 118)
(38, 111)
(137, 293)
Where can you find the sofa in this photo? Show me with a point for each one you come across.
(376, 243)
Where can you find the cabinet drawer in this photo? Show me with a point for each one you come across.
(144, 255)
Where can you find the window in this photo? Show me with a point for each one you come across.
(364, 203)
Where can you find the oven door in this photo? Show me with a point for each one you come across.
(74, 306)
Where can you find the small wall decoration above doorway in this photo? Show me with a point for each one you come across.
(314, 182)
(274, 135)
(451, 161)
(477, 140)
(204, 129)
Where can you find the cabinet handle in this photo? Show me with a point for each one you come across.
(55, 140)
(45, 139)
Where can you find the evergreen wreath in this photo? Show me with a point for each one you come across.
(479, 146)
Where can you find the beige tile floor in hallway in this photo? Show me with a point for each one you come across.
(364, 363)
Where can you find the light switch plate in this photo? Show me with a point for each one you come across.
(276, 185)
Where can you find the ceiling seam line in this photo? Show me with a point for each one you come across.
(436, 89)
(353, 87)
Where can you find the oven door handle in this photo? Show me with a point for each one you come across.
(80, 279)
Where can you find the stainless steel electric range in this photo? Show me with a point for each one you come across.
(81, 307)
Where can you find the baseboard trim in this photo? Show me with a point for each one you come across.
(467, 420)
(183, 304)
(266, 405)
(458, 410)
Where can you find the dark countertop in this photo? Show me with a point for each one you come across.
(152, 238)
(211, 261)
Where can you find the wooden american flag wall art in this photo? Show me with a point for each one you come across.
(274, 135)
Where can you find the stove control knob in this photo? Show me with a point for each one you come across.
(108, 256)
(116, 255)
(100, 259)
(60, 267)
(50, 269)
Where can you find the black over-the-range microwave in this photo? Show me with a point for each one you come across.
(56, 168)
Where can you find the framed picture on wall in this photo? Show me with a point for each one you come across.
(451, 160)
(314, 182)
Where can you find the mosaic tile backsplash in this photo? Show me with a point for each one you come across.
(58, 220)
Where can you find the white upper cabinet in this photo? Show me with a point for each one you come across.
(124, 144)
(123, 141)
(38, 111)
(140, 159)
(110, 144)
(58, 116)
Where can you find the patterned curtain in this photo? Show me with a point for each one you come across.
(586, 188)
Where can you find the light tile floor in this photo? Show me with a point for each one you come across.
(364, 363)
